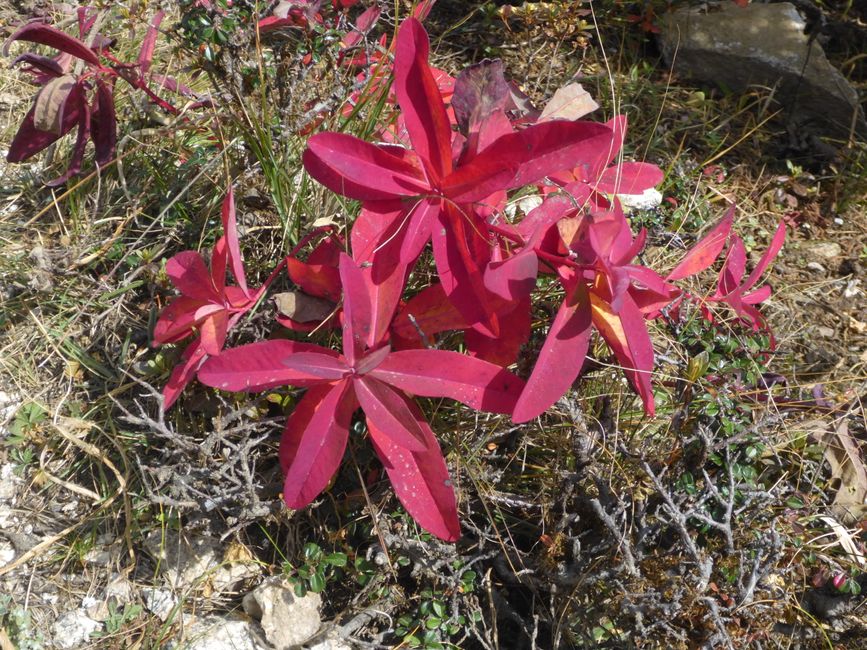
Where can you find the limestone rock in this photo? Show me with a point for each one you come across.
(215, 633)
(74, 628)
(824, 250)
(762, 44)
(286, 619)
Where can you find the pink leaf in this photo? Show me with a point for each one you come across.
(230, 228)
(176, 320)
(360, 170)
(440, 373)
(316, 364)
(420, 479)
(420, 100)
(387, 410)
(560, 359)
(527, 156)
(705, 252)
(769, 255)
(259, 366)
(36, 32)
(188, 273)
(314, 440)
(146, 52)
(629, 178)
(357, 312)
(183, 373)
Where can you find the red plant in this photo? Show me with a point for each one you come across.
(426, 193)
(207, 307)
(732, 289)
(63, 104)
(379, 381)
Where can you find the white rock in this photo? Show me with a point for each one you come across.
(7, 517)
(330, 643)
(214, 633)
(286, 619)
(8, 482)
(183, 561)
(647, 200)
(73, 628)
(827, 250)
(816, 267)
(159, 602)
(7, 552)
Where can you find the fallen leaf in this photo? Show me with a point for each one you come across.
(570, 102)
(301, 307)
(844, 456)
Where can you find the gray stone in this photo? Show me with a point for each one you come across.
(825, 250)
(215, 633)
(330, 642)
(160, 602)
(762, 44)
(286, 619)
(197, 561)
(74, 628)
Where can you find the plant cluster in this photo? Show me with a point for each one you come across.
(78, 87)
(442, 177)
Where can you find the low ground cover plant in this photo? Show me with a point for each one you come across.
(443, 175)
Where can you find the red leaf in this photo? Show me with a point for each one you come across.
(357, 313)
(732, 272)
(190, 276)
(504, 349)
(629, 178)
(314, 440)
(36, 32)
(626, 334)
(230, 229)
(176, 321)
(81, 140)
(259, 366)
(183, 373)
(213, 332)
(461, 252)
(377, 249)
(427, 313)
(560, 359)
(480, 89)
(29, 140)
(420, 479)
(527, 156)
(146, 52)
(705, 252)
(440, 373)
(320, 280)
(104, 123)
(40, 64)
(387, 410)
(420, 100)
(360, 170)
(316, 364)
(769, 255)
